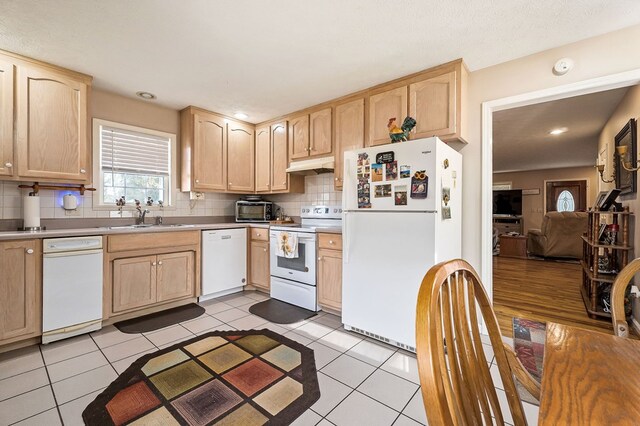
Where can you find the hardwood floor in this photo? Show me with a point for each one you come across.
(541, 291)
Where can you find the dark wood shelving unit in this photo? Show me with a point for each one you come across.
(593, 249)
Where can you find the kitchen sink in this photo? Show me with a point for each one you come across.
(130, 226)
(177, 225)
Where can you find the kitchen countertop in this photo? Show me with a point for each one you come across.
(329, 230)
(105, 230)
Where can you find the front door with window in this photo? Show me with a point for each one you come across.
(566, 195)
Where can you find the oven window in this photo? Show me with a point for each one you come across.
(251, 212)
(296, 264)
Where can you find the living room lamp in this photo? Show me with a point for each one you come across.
(600, 168)
(622, 153)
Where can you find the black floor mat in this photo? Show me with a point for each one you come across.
(280, 312)
(161, 319)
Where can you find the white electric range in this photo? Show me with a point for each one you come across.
(293, 280)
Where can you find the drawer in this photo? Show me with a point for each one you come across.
(260, 234)
(151, 240)
(330, 241)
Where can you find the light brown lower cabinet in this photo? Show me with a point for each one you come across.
(330, 278)
(260, 272)
(20, 290)
(142, 281)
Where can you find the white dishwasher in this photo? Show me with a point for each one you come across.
(224, 262)
(71, 287)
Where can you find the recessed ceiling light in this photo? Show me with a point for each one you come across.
(240, 115)
(146, 95)
(558, 131)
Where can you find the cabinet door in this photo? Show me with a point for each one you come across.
(320, 132)
(260, 276)
(299, 137)
(432, 103)
(279, 162)
(263, 159)
(210, 152)
(349, 134)
(20, 298)
(175, 276)
(134, 282)
(382, 107)
(240, 158)
(52, 126)
(7, 73)
(330, 278)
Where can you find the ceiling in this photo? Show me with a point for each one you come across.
(268, 58)
(521, 139)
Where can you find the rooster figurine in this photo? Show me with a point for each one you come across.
(400, 134)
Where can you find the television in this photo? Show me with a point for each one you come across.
(507, 202)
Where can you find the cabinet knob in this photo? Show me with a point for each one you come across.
(268, 185)
(284, 183)
(29, 251)
(320, 258)
(83, 171)
(264, 250)
(160, 263)
(153, 263)
(197, 181)
(8, 165)
(230, 184)
(258, 234)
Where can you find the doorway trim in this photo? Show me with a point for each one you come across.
(593, 85)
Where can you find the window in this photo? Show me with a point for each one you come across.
(565, 202)
(133, 162)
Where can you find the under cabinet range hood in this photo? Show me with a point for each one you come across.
(312, 166)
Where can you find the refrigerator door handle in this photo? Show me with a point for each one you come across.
(345, 230)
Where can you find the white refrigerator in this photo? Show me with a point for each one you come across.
(402, 207)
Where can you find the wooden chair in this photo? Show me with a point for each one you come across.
(618, 289)
(457, 388)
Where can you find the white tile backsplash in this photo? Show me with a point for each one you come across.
(318, 190)
(50, 204)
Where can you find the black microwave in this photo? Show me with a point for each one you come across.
(254, 211)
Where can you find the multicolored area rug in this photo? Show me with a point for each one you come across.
(528, 343)
(250, 377)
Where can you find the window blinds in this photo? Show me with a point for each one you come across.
(129, 151)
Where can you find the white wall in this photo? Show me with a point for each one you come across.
(599, 56)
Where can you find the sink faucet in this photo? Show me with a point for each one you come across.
(141, 215)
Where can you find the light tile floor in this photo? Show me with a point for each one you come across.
(362, 381)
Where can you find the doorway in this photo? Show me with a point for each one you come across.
(565, 195)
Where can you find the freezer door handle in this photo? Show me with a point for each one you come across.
(347, 236)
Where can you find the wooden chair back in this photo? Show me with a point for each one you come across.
(457, 387)
(618, 290)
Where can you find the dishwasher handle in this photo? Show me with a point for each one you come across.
(72, 253)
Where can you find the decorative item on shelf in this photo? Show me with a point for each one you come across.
(120, 202)
(611, 233)
(149, 201)
(605, 298)
(400, 134)
(625, 140)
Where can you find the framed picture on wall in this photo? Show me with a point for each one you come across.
(626, 180)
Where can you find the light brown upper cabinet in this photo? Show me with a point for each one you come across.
(279, 163)
(52, 126)
(43, 122)
(20, 290)
(320, 132)
(263, 159)
(349, 134)
(209, 153)
(432, 103)
(240, 169)
(299, 137)
(383, 106)
(7, 160)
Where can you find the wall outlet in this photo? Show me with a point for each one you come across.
(196, 195)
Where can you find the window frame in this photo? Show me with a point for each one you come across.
(98, 201)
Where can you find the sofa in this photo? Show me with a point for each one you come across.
(560, 235)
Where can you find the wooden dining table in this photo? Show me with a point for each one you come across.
(589, 378)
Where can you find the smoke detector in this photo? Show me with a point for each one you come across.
(563, 66)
